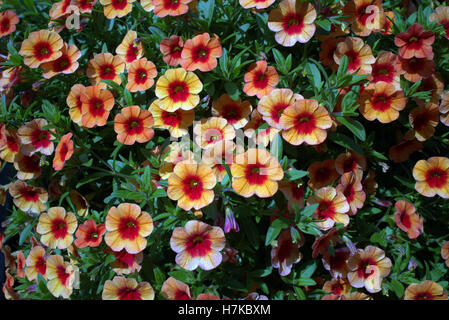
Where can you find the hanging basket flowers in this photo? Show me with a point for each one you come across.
(171, 48)
(176, 122)
(432, 177)
(140, 75)
(56, 228)
(201, 53)
(96, 105)
(130, 49)
(260, 79)
(133, 124)
(41, 46)
(236, 112)
(121, 288)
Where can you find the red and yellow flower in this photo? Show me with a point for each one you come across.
(89, 234)
(364, 16)
(116, 8)
(211, 131)
(74, 102)
(256, 171)
(262, 137)
(60, 276)
(191, 185)
(426, 290)
(444, 108)
(441, 16)
(178, 88)
(415, 42)
(164, 8)
(130, 49)
(416, 69)
(56, 228)
(28, 167)
(258, 4)
(125, 263)
(260, 79)
(285, 252)
(35, 139)
(198, 244)
(432, 177)
(322, 174)
(173, 289)
(67, 63)
(177, 122)
(201, 53)
(424, 119)
(305, 121)
(351, 161)
(294, 194)
(141, 75)
(171, 48)
(328, 47)
(236, 112)
(407, 219)
(121, 288)
(336, 262)
(85, 6)
(8, 21)
(96, 105)
(105, 66)
(63, 152)
(352, 188)
(10, 146)
(133, 124)
(36, 263)
(41, 46)
(292, 22)
(359, 55)
(385, 69)
(27, 197)
(218, 154)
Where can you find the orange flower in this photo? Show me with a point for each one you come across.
(336, 262)
(28, 167)
(351, 161)
(191, 185)
(60, 276)
(367, 268)
(435, 85)
(258, 4)
(305, 121)
(359, 55)
(41, 46)
(198, 244)
(236, 112)
(441, 16)
(201, 53)
(415, 42)
(211, 131)
(285, 252)
(173, 289)
(59, 9)
(423, 120)
(8, 21)
(20, 271)
(127, 228)
(74, 102)
(272, 106)
(260, 79)
(125, 263)
(35, 139)
(178, 88)
(66, 63)
(171, 48)
(172, 154)
(333, 207)
(140, 75)
(105, 66)
(96, 104)
(337, 286)
(385, 69)
(404, 148)
(36, 263)
(407, 219)
(256, 172)
(426, 290)
(28, 198)
(121, 288)
(351, 187)
(89, 234)
(365, 16)
(328, 47)
(85, 6)
(64, 151)
(10, 146)
(381, 101)
(444, 108)
(292, 22)
(56, 228)
(116, 8)
(322, 174)
(177, 122)
(133, 124)
(416, 69)
(131, 48)
(261, 136)
(218, 154)
(293, 193)
(163, 8)
(432, 177)
(445, 252)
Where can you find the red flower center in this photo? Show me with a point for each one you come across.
(119, 4)
(424, 296)
(405, 219)
(96, 107)
(277, 110)
(363, 13)
(59, 228)
(254, 174)
(63, 276)
(12, 144)
(213, 135)
(421, 121)
(132, 52)
(63, 151)
(176, 51)
(353, 60)
(200, 53)
(198, 244)
(129, 228)
(107, 72)
(231, 113)
(134, 126)
(178, 91)
(141, 76)
(349, 165)
(304, 123)
(383, 72)
(437, 178)
(285, 249)
(41, 265)
(62, 63)
(193, 187)
(326, 210)
(4, 25)
(40, 138)
(363, 266)
(171, 4)
(127, 293)
(381, 102)
(293, 23)
(181, 295)
(172, 119)
(349, 193)
(29, 194)
(260, 80)
(42, 50)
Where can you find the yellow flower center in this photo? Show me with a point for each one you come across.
(98, 104)
(413, 39)
(61, 225)
(175, 49)
(197, 239)
(179, 89)
(383, 71)
(194, 183)
(131, 224)
(304, 119)
(143, 75)
(94, 235)
(134, 124)
(43, 136)
(255, 170)
(107, 70)
(292, 22)
(64, 64)
(44, 51)
(202, 53)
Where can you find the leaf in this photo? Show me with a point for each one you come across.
(274, 229)
(314, 75)
(130, 195)
(397, 288)
(276, 147)
(309, 210)
(342, 68)
(25, 233)
(324, 24)
(128, 97)
(158, 276)
(344, 141)
(251, 232)
(232, 89)
(308, 270)
(305, 282)
(354, 126)
(113, 85)
(159, 193)
(294, 174)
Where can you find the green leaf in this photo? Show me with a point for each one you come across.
(309, 210)
(114, 85)
(274, 229)
(342, 68)
(324, 24)
(232, 89)
(314, 75)
(354, 126)
(308, 269)
(25, 233)
(305, 282)
(158, 276)
(294, 174)
(397, 288)
(128, 97)
(276, 147)
(158, 193)
(344, 141)
(130, 195)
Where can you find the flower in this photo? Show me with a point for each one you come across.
(28, 167)
(292, 22)
(432, 177)
(140, 75)
(322, 243)
(359, 55)
(121, 288)
(197, 244)
(416, 69)
(85, 6)
(381, 101)
(336, 262)
(125, 263)
(8, 21)
(36, 263)
(116, 8)
(218, 154)
(305, 121)
(426, 290)
(201, 53)
(332, 207)
(294, 194)
(322, 174)
(66, 63)
(41, 46)
(236, 112)
(173, 289)
(328, 46)
(59, 9)
(11, 145)
(177, 122)
(415, 42)
(89, 234)
(171, 48)
(435, 85)
(337, 286)
(60, 276)
(444, 108)
(285, 252)
(131, 48)
(163, 8)
(127, 228)
(351, 161)
(178, 88)
(211, 131)
(56, 228)
(441, 16)
(388, 23)
(367, 268)
(404, 148)
(63, 152)
(351, 187)
(260, 136)
(407, 219)
(260, 79)
(27, 197)
(191, 185)
(35, 139)
(424, 119)
(133, 124)
(74, 102)
(365, 16)
(230, 224)
(256, 171)
(96, 104)
(105, 66)
(272, 106)
(258, 4)
(385, 69)
(147, 5)
(445, 252)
